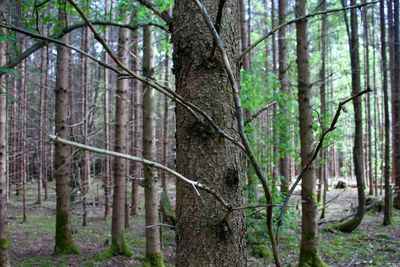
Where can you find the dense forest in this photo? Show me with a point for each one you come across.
(199, 133)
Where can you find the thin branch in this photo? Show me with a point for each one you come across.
(58, 42)
(315, 153)
(146, 162)
(15, 61)
(258, 113)
(161, 14)
(218, 28)
(299, 19)
(239, 117)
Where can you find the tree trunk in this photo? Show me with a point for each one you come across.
(164, 181)
(322, 93)
(283, 80)
(352, 224)
(395, 88)
(135, 114)
(106, 118)
(4, 240)
(387, 220)
(64, 243)
(203, 238)
(153, 253)
(119, 245)
(309, 228)
(85, 124)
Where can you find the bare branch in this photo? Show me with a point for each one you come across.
(161, 14)
(258, 113)
(218, 28)
(145, 162)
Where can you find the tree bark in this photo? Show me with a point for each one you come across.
(387, 220)
(352, 224)
(283, 80)
(4, 240)
(203, 237)
(153, 255)
(106, 118)
(395, 89)
(119, 245)
(309, 228)
(64, 243)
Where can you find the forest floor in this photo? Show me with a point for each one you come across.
(32, 242)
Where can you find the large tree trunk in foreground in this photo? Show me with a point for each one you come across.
(153, 253)
(119, 245)
(202, 237)
(62, 170)
(4, 241)
(309, 229)
(387, 219)
(352, 224)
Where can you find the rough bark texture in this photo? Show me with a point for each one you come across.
(64, 243)
(203, 239)
(153, 255)
(118, 242)
(387, 220)
(309, 229)
(4, 241)
(352, 224)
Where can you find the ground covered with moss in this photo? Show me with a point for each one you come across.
(32, 243)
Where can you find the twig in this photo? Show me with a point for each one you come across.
(162, 14)
(258, 113)
(315, 153)
(218, 28)
(299, 19)
(239, 117)
(161, 224)
(145, 162)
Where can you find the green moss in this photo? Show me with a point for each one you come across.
(4, 244)
(113, 250)
(262, 251)
(64, 241)
(310, 258)
(153, 260)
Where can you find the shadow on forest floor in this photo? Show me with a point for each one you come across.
(32, 243)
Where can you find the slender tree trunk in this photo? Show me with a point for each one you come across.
(244, 34)
(352, 224)
(309, 228)
(135, 107)
(164, 181)
(203, 238)
(64, 243)
(322, 93)
(85, 124)
(119, 245)
(283, 80)
(23, 148)
(395, 88)
(387, 220)
(4, 240)
(106, 136)
(153, 252)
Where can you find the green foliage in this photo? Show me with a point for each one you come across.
(4, 244)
